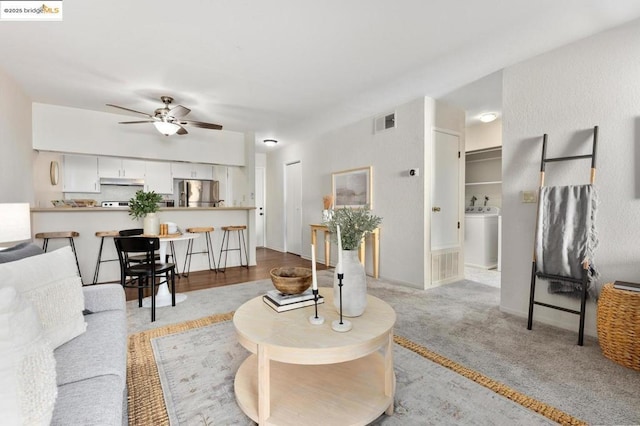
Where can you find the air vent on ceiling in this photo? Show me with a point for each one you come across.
(385, 122)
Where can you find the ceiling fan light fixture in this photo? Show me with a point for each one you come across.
(488, 117)
(166, 128)
(270, 142)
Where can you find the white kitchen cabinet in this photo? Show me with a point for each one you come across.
(158, 177)
(220, 173)
(112, 167)
(192, 171)
(80, 173)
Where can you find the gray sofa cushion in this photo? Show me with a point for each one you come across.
(104, 297)
(96, 401)
(19, 251)
(102, 350)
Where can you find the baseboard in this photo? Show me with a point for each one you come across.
(588, 331)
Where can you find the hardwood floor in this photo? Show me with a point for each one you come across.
(266, 259)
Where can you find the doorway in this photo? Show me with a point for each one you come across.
(293, 208)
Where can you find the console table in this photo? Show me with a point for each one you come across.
(300, 373)
(375, 234)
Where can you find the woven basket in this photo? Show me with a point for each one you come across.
(618, 321)
(294, 280)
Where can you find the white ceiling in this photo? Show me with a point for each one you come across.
(290, 69)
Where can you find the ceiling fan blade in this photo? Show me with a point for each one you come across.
(181, 131)
(136, 122)
(179, 111)
(130, 110)
(201, 124)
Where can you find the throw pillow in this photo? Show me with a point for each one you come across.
(27, 366)
(51, 283)
(19, 251)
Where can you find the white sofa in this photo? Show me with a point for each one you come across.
(91, 369)
(79, 375)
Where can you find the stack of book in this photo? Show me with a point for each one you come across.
(286, 302)
(624, 285)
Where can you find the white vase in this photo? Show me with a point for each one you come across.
(354, 285)
(151, 224)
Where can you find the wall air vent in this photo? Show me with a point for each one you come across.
(385, 122)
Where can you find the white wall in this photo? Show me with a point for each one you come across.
(565, 93)
(484, 135)
(79, 131)
(398, 198)
(44, 191)
(16, 181)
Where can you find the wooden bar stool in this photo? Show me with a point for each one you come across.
(102, 235)
(61, 234)
(206, 230)
(241, 243)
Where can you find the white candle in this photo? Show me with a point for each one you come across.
(314, 279)
(339, 268)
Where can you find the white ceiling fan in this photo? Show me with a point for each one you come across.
(169, 121)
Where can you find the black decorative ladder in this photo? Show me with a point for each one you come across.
(583, 281)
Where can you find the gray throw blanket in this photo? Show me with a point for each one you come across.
(566, 236)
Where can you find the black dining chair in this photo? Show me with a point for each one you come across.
(146, 273)
(139, 231)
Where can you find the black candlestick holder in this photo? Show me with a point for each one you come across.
(315, 319)
(340, 325)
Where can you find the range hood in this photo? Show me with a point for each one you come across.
(122, 181)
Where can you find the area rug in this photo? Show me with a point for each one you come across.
(183, 374)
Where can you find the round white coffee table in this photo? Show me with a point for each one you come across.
(300, 373)
(163, 296)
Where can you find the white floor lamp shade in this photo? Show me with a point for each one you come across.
(15, 222)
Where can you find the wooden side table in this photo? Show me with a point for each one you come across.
(303, 374)
(375, 234)
(618, 320)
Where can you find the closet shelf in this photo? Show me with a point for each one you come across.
(494, 182)
(483, 159)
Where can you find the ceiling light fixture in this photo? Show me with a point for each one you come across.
(270, 142)
(488, 117)
(166, 128)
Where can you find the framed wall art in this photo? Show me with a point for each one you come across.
(352, 188)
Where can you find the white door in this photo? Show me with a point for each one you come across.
(293, 209)
(260, 202)
(445, 189)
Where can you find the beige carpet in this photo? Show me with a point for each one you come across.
(147, 404)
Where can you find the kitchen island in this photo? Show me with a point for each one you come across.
(89, 220)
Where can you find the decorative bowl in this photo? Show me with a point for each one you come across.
(291, 280)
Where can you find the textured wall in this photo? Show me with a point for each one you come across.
(565, 93)
(484, 135)
(397, 197)
(15, 143)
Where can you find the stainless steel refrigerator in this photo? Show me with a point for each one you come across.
(199, 193)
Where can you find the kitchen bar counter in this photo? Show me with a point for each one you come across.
(102, 209)
(88, 220)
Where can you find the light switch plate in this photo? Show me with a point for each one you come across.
(529, 196)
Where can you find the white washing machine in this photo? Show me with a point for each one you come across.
(481, 237)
